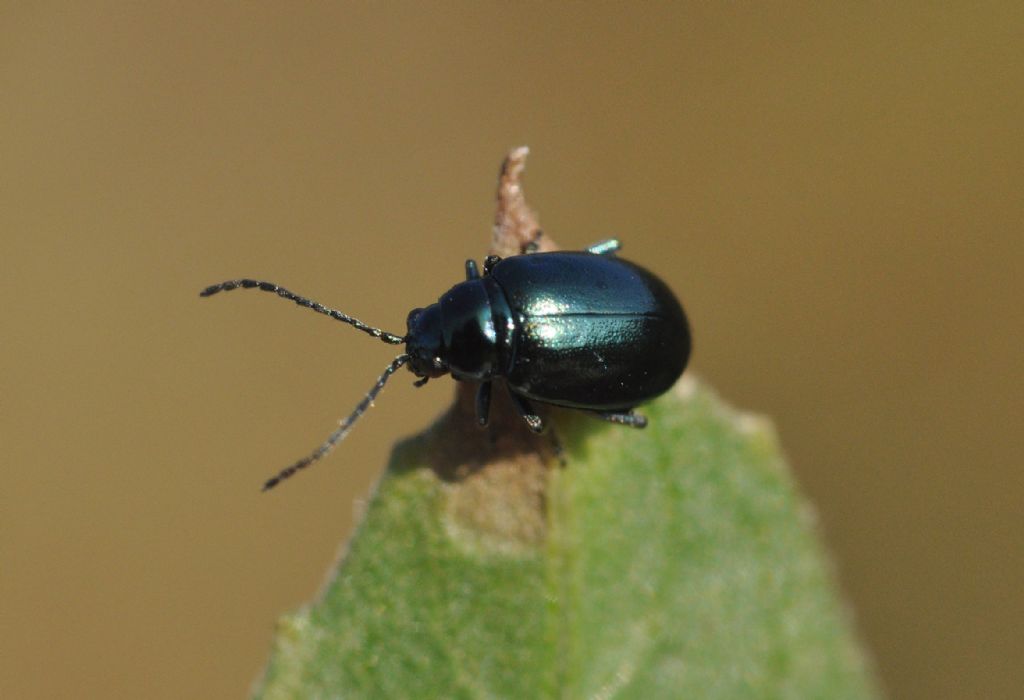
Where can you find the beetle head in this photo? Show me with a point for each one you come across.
(424, 344)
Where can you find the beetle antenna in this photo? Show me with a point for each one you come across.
(390, 338)
(342, 430)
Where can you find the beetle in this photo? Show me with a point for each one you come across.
(582, 330)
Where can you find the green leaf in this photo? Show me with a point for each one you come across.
(672, 562)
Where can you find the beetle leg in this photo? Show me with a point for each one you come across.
(472, 273)
(605, 247)
(489, 262)
(483, 403)
(633, 420)
(527, 413)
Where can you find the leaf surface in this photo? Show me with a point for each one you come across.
(676, 561)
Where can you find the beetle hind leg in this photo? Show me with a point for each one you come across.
(633, 420)
(608, 247)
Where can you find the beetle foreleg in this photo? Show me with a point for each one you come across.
(483, 403)
(527, 413)
(489, 262)
(633, 420)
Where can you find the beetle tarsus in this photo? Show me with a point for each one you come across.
(612, 245)
(633, 420)
(534, 423)
(526, 412)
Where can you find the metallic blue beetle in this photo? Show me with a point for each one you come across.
(584, 330)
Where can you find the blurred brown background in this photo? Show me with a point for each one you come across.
(834, 192)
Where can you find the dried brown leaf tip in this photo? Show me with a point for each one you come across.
(516, 227)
